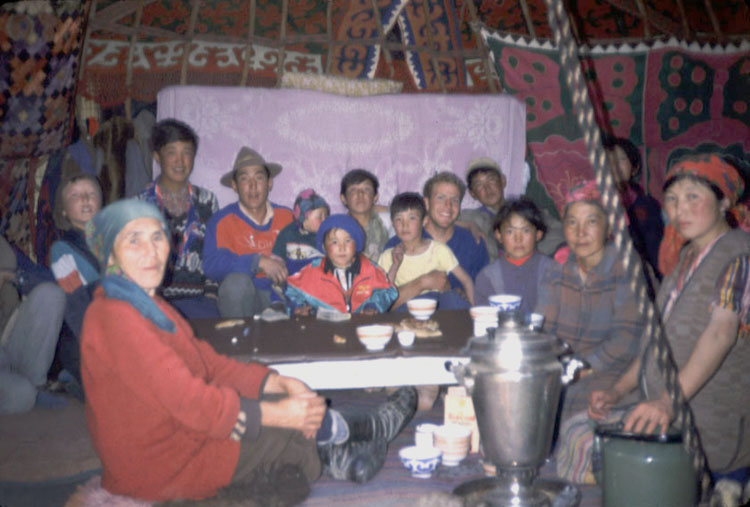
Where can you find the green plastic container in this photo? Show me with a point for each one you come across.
(645, 470)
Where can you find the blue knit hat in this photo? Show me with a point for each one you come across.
(341, 221)
(102, 230)
(306, 201)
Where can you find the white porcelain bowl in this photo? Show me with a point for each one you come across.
(421, 308)
(375, 336)
(505, 302)
(420, 461)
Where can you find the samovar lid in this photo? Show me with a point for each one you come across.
(514, 336)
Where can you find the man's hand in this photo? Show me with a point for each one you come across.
(274, 268)
(434, 280)
(475, 231)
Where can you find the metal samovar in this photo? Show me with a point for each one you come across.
(515, 378)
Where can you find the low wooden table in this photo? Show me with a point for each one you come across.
(303, 347)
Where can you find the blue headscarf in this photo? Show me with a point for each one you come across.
(101, 232)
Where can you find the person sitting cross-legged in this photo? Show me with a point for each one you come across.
(237, 251)
(171, 419)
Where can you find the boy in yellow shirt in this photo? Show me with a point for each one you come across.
(419, 266)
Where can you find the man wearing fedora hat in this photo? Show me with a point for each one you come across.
(240, 238)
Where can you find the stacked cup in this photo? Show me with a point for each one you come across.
(484, 317)
(454, 440)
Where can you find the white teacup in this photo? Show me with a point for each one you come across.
(484, 317)
(536, 321)
(423, 434)
(505, 302)
(406, 338)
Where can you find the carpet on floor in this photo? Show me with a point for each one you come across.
(393, 486)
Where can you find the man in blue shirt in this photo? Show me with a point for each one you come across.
(443, 194)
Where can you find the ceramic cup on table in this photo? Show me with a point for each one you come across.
(424, 434)
(536, 321)
(454, 440)
(420, 461)
(483, 317)
(505, 302)
(406, 338)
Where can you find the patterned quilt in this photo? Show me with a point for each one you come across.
(669, 97)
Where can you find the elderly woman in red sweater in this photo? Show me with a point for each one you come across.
(172, 419)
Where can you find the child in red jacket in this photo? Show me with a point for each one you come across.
(344, 280)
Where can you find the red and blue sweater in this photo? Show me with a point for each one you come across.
(234, 242)
(319, 288)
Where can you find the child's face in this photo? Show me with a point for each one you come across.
(518, 237)
(314, 219)
(340, 248)
(408, 225)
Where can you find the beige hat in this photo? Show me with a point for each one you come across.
(249, 157)
(482, 162)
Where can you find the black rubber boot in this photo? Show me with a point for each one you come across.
(353, 461)
(386, 420)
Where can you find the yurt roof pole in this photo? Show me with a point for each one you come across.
(249, 45)
(131, 56)
(195, 8)
(282, 39)
(431, 49)
(381, 35)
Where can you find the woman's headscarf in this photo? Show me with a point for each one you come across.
(101, 232)
(586, 190)
(712, 168)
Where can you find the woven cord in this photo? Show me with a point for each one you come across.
(658, 345)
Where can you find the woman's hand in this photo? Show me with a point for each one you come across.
(649, 415)
(301, 412)
(601, 402)
(290, 386)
